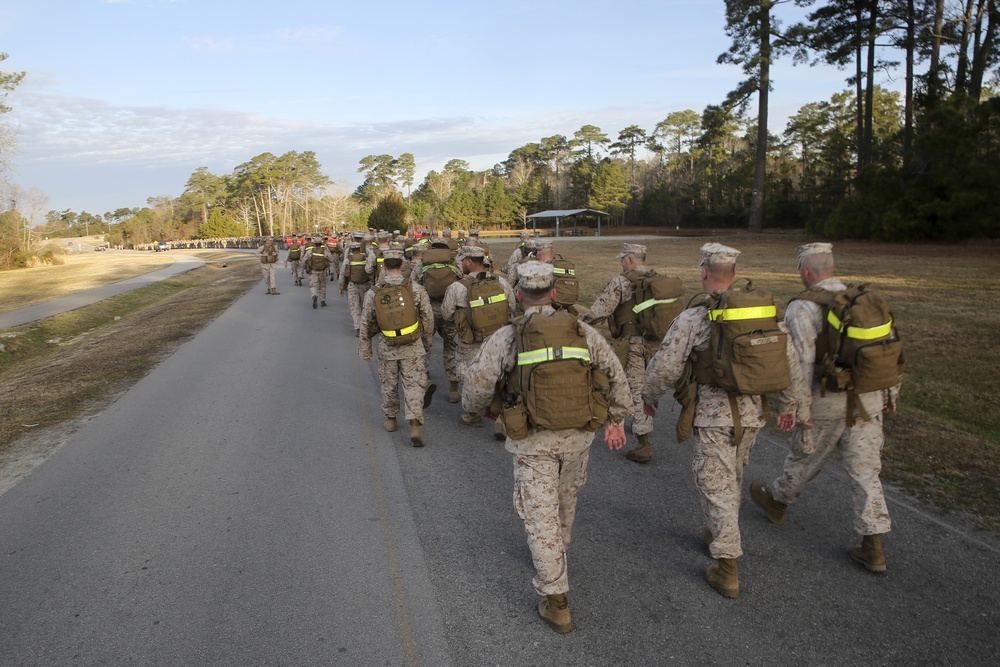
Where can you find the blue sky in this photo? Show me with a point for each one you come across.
(124, 99)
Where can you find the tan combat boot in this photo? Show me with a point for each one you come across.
(776, 512)
(416, 437)
(454, 396)
(429, 394)
(390, 424)
(472, 419)
(499, 432)
(275, 291)
(869, 553)
(724, 577)
(642, 453)
(554, 610)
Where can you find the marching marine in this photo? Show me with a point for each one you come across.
(316, 262)
(827, 425)
(401, 313)
(354, 279)
(725, 423)
(268, 254)
(294, 259)
(477, 306)
(550, 443)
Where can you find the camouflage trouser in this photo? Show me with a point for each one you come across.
(355, 300)
(334, 270)
(718, 474)
(317, 284)
(446, 330)
(639, 353)
(268, 271)
(860, 448)
(465, 353)
(296, 265)
(413, 374)
(545, 489)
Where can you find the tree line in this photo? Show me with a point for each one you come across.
(866, 163)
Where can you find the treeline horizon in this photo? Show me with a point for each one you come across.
(870, 163)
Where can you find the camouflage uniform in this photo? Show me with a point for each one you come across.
(457, 297)
(860, 445)
(405, 363)
(718, 466)
(296, 265)
(443, 327)
(550, 467)
(317, 279)
(355, 291)
(640, 350)
(268, 269)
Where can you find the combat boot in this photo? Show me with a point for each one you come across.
(775, 511)
(268, 291)
(323, 304)
(429, 394)
(869, 553)
(554, 610)
(416, 437)
(499, 432)
(642, 453)
(453, 394)
(390, 424)
(472, 419)
(724, 577)
(275, 291)
(315, 301)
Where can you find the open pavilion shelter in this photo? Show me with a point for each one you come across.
(558, 215)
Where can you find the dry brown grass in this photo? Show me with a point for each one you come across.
(944, 447)
(945, 444)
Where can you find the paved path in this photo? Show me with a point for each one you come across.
(241, 505)
(15, 318)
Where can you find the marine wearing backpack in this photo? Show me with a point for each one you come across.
(438, 271)
(487, 310)
(396, 314)
(859, 349)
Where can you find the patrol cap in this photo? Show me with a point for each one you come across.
(355, 245)
(633, 249)
(531, 244)
(534, 275)
(543, 244)
(392, 253)
(474, 232)
(446, 231)
(814, 249)
(523, 234)
(716, 253)
(473, 251)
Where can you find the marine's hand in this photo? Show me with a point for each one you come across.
(786, 421)
(650, 410)
(614, 435)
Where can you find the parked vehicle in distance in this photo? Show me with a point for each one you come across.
(100, 248)
(161, 245)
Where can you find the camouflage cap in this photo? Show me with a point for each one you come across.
(473, 251)
(446, 231)
(534, 275)
(392, 253)
(633, 249)
(523, 234)
(716, 253)
(474, 232)
(543, 244)
(814, 249)
(355, 245)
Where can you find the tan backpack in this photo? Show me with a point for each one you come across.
(748, 352)
(318, 261)
(396, 314)
(553, 386)
(487, 311)
(657, 302)
(438, 272)
(566, 284)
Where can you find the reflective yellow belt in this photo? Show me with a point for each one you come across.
(552, 354)
(649, 303)
(752, 313)
(392, 333)
(476, 303)
(858, 332)
(564, 272)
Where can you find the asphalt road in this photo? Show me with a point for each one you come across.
(241, 505)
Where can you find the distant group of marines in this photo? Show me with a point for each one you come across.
(519, 351)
